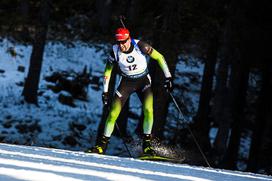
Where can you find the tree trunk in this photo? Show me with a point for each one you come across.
(30, 91)
(238, 86)
(202, 122)
(260, 121)
(238, 82)
(221, 109)
(221, 112)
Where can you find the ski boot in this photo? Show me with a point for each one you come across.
(101, 146)
(147, 147)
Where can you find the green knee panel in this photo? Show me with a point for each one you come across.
(148, 114)
(112, 117)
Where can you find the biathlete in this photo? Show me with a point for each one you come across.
(130, 56)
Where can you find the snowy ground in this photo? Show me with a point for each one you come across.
(42, 164)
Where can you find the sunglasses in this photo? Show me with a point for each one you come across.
(122, 42)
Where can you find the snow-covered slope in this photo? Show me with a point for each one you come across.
(41, 164)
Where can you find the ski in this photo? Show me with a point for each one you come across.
(160, 158)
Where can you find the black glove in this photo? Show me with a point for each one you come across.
(168, 84)
(105, 98)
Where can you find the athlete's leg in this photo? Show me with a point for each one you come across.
(146, 96)
(148, 111)
(147, 100)
(124, 90)
(103, 140)
(113, 115)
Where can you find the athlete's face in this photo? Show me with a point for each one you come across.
(124, 45)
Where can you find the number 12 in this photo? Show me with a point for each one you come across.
(132, 67)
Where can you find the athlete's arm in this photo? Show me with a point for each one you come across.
(107, 72)
(161, 61)
(154, 54)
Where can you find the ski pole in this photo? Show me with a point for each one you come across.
(188, 127)
(121, 135)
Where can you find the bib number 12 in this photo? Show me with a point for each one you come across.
(132, 67)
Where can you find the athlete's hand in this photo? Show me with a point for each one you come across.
(105, 98)
(168, 84)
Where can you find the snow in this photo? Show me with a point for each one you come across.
(43, 164)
